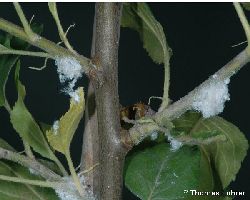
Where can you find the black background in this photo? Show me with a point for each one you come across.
(200, 35)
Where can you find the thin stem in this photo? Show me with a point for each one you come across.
(243, 20)
(73, 173)
(140, 131)
(46, 45)
(29, 163)
(30, 182)
(165, 97)
(26, 53)
(7, 106)
(60, 165)
(24, 21)
(28, 150)
(88, 170)
(54, 12)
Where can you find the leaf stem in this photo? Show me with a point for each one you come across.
(59, 164)
(243, 20)
(140, 131)
(28, 150)
(26, 53)
(30, 182)
(48, 46)
(165, 97)
(24, 21)
(73, 173)
(29, 163)
(54, 12)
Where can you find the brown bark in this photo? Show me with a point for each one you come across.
(106, 147)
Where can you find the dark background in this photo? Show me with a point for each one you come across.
(200, 35)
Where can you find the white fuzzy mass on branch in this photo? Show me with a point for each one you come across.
(69, 71)
(211, 98)
(69, 192)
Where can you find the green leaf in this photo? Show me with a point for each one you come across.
(8, 61)
(5, 145)
(25, 125)
(246, 5)
(139, 17)
(225, 156)
(60, 138)
(159, 173)
(45, 127)
(19, 191)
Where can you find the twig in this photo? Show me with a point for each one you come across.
(75, 177)
(28, 150)
(88, 170)
(153, 97)
(236, 45)
(29, 163)
(41, 68)
(140, 131)
(53, 11)
(48, 46)
(25, 53)
(243, 20)
(31, 182)
(25, 23)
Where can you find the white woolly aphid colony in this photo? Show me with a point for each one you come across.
(211, 98)
(69, 71)
(68, 191)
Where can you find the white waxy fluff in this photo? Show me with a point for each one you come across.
(69, 192)
(211, 99)
(55, 127)
(154, 135)
(69, 71)
(175, 144)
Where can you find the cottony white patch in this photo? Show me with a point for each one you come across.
(32, 171)
(68, 191)
(55, 127)
(211, 99)
(154, 136)
(175, 144)
(69, 70)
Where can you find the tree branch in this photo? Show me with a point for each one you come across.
(29, 163)
(90, 146)
(48, 46)
(111, 153)
(141, 130)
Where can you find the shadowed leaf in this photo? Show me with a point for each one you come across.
(8, 61)
(226, 156)
(25, 125)
(19, 191)
(139, 17)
